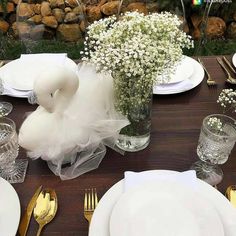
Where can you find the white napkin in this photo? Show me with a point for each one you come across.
(227, 213)
(16, 93)
(165, 88)
(56, 57)
(133, 179)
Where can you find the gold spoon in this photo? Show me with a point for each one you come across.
(231, 194)
(46, 208)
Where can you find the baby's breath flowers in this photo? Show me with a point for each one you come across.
(135, 50)
(215, 123)
(227, 100)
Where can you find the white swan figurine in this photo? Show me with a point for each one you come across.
(74, 121)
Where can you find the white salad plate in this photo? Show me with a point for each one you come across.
(187, 83)
(102, 217)
(234, 59)
(20, 74)
(9, 209)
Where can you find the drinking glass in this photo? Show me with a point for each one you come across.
(5, 107)
(11, 169)
(214, 146)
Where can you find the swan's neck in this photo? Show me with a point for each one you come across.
(56, 88)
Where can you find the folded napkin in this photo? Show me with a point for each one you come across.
(133, 179)
(168, 88)
(56, 57)
(16, 93)
(226, 212)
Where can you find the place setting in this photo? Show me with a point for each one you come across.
(163, 202)
(188, 74)
(18, 76)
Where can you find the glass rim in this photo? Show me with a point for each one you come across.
(218, 115)
(11, 123)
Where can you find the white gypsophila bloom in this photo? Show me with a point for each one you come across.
(215, 123)
(136, 50)
(227, 100)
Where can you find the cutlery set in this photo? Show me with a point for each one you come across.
(43, 205)
(226, 66)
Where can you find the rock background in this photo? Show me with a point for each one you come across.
(67, 20)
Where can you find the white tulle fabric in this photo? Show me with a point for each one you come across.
(73, 123)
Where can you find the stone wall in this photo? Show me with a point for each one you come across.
(67, 20)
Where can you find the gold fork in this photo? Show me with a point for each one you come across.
(90, 203)
(230, 79)
(210, 81)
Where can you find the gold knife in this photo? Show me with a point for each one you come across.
(27, 215)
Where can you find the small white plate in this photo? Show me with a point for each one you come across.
(183, 71)
(194, 80)
(101, 218)
(9, 209)
(234, 59)
(21, 73)
(164, 208)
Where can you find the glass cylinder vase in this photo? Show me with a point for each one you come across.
(133, 98)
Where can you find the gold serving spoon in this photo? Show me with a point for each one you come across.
(46, 208)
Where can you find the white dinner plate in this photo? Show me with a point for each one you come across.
(9, 209)
(194, 80)
(234, 59)
(20, 73)
(183, 71)
(101, 218)
(164, 208)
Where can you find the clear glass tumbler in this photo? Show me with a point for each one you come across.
(217, 139)
(5, 107)
(10, 169)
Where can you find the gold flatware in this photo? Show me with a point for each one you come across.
(24, 223)
(90, 203)
(210, 81)
(229, 65)
(231, 194)
(230, 79)
(46, 208)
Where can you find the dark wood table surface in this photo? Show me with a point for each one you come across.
(176, 122)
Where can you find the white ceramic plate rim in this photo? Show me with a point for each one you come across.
(200, 218)
(15, 84)
(100, 222)
(183, 71)
(234, 59)
(196, 79)
(9, 209)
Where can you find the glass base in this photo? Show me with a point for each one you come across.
(5, 108)
(17, 173)
(133, 143)
(212, 174)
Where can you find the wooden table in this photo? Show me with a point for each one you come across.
(176, 122)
